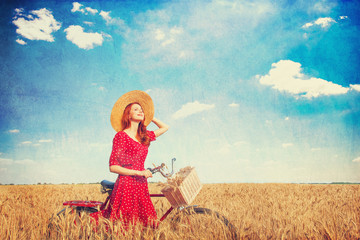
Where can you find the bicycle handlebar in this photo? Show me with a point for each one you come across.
(161, 167)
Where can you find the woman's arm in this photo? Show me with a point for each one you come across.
(162, 127)
(129, 172)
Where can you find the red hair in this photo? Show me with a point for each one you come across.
(141, 135)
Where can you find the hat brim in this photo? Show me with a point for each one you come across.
(135, 96)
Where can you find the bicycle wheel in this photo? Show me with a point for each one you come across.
(76, 213)
(77, 210)
(203, 223)
(67, 217)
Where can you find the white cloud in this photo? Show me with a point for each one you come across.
(6, 161)
(19, 11)
(82, 39)
(38, 25)
(287, 76)
(176, 31)
(192, 108)
(322, 22)
(91, 10)
(14, 131)
(286, 145)
(356, 160)
(25, 162)
(233, 105)
(315, 149)
(26, 142)
(343, 17)
(89, 23)
(167, 36)
(112, 21)
(105, 16)
(287, 118)
(77, 7)
(356, 87)
(307, 25)
(20, 41)
(45, 141)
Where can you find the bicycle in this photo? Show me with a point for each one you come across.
(184, 214)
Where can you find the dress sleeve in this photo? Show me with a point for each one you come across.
(118, 150)
(151, 135)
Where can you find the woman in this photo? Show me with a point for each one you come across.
(130, 200)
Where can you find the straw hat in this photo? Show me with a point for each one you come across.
(135, 96)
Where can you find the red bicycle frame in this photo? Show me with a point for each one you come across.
(94, 204)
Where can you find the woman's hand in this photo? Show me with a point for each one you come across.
(145, 173)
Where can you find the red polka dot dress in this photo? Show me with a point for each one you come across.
(130, 200)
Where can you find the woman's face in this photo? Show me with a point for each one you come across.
(136, 112)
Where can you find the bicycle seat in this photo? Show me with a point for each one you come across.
(107, 184)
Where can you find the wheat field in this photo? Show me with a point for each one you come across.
(258, 211)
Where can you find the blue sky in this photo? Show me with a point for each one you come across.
(254, 91)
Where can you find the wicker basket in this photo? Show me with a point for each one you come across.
(185, 193)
